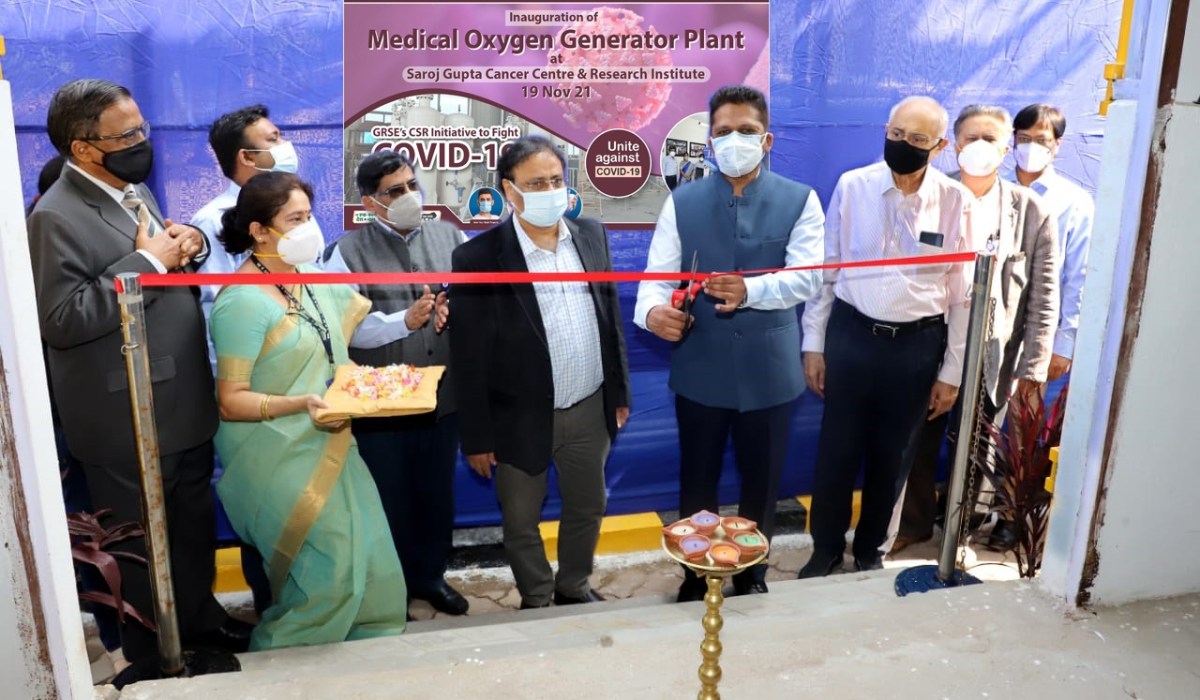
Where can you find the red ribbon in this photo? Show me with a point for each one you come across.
(384, 278)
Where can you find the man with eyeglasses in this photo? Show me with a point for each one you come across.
(736, 375)
(1038, 132)
(95, 222)
(541, 372)
(884, 345)
(412, 458)
(245, 142)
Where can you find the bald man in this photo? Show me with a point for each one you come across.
(884, 346)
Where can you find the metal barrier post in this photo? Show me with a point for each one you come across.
(137, 364)
(968, 436)
(945, 575)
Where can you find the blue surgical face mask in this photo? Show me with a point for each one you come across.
(543, 209)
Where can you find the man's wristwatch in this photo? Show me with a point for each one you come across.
(745, 299)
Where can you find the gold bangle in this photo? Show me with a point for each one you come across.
(264, 407)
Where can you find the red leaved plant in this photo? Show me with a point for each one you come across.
(1020, 460)
(90, 545)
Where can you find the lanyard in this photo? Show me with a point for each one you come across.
(294, 305)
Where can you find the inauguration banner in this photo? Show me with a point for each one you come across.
(622, 90)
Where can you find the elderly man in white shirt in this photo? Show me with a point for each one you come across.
(1038, 133)
(884, 345)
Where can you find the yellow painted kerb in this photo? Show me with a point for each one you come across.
(639, 532)
(618, 534)
(856, 509)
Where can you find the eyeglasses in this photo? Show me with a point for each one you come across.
(126, 138)
(399, 190)
(1041, 140)
(553, 183)
(918, 140)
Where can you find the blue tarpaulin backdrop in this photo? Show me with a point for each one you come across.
(836, 68)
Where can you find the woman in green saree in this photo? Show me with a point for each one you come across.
(293, 487)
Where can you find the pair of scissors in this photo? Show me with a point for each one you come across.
(683, 297)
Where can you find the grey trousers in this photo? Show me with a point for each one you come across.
(579, 451)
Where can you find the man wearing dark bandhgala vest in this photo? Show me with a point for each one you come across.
(411, 457)
(735, 367)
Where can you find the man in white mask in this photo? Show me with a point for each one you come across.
(1016, 226)
(542, 373)
(412, 458)
(245, 143)
(1038, 133)
(735, 366)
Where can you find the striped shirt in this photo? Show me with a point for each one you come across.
(569, 317)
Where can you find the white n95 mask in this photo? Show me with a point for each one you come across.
(980, 158)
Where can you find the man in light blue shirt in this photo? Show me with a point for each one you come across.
(245, 143)
(1038, 131)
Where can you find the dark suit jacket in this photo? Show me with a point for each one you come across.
(80, 239)
(504, 387)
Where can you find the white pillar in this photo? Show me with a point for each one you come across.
(42, 651)
(1134, 122)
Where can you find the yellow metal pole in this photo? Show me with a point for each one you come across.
(1116, 71)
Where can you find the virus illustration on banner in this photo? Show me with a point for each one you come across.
(598, 106)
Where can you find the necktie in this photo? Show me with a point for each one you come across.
(138, 209)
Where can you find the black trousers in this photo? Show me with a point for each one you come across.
(412, 459)
(191, 529)
(672, 181)
(876, 396)
(760, 440)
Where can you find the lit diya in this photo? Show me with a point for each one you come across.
(705, 522)
(733, 525)
(694, 547)
(678, 530)
(725, 554)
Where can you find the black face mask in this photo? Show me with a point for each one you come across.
(903, 157)
(130, 164)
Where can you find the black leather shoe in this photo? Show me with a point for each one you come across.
(820, 564)
(445, 599)
(525, 605)
(233, 636)
(750, 589)
(870, 562)
(590, 597)
(1003, 537)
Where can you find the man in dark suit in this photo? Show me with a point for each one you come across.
(541, 372)
(96, 222)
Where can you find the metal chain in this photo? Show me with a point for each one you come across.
(977, 436)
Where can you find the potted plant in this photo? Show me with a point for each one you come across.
(90, 545)
(1020, 460)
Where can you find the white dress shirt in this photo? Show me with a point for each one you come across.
(118, 196)
(777, 290)
(569, 318)
(1075, 212)
(670, 166)
(870, 218)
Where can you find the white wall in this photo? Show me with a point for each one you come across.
(1147, 540)
(35, 513)
(694, 128)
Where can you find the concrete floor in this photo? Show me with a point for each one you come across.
(845, 636)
